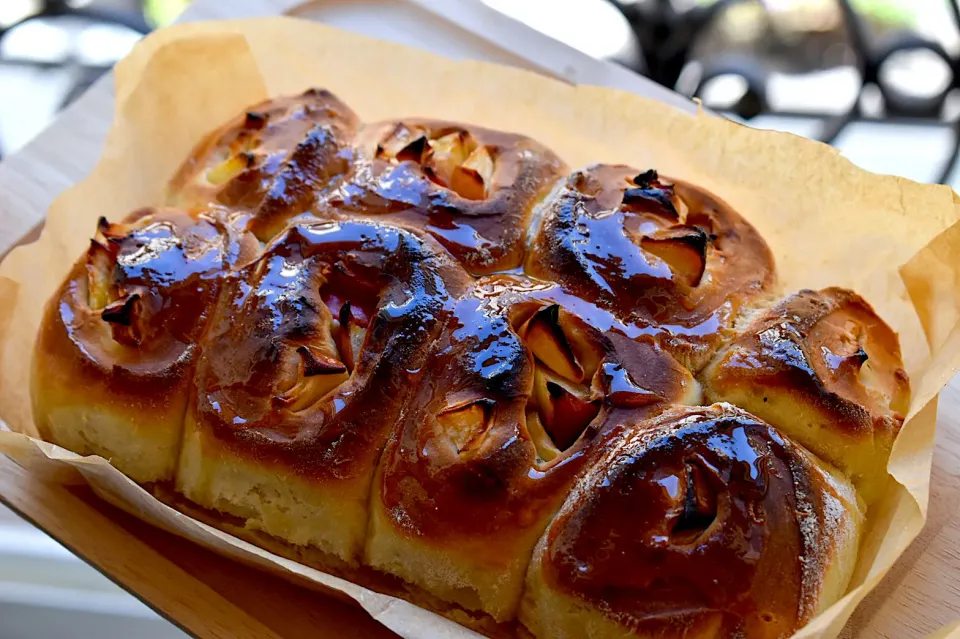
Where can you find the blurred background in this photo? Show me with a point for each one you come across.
(878, 79)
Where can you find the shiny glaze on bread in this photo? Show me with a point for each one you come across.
(471, 188)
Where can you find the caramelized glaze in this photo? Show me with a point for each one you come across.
(483, 222)
(701, 516)
(660, 256)
(824, 369)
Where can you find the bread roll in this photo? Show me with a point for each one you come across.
(514, 400)
(826, 370)
(114, 359)
(471, 188)
(309, 361)
(276, 160)
(667, 259)
(703, 522)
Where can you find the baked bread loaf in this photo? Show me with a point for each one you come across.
(427, 357)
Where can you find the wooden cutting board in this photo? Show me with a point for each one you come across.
(209, 596)
(203, 593)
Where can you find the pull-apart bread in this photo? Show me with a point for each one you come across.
(432, 358)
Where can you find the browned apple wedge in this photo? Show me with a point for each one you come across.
(319, 373)
(452, 160)
(683, 249)
(877, 382)
(121, 311)
(699, 508)
(126, 319)
(547, 451)
(471, 178)
(466, 424)
(230, 168)
(565, 408)
(413, 152)
(849, 357)
(562, 342)
(349, 336)
(101, 260)
(545, 338)
(319, 362)
(238, 156)
(650, 192)
(445, 154)
(102, 256)
(404, 143)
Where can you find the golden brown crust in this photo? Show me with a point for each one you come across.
(308, 364)
(325, 562)
(819, 343)
(132, 310)
(701, 522)
(837, 365)
(275, 160)
(471, 188)
(665, 258)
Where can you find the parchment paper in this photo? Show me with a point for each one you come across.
(827, 222)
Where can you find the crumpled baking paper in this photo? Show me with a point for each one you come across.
(827, 222)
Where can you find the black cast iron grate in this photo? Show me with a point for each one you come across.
(667, 37)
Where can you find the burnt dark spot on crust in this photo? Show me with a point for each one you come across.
(317, 363)
(345, 314)
(649, 191)
(413, 151)
(860, 357)
(315, 92)
(660, 197)
(646, 178)
(255, 120)
(121, 311)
